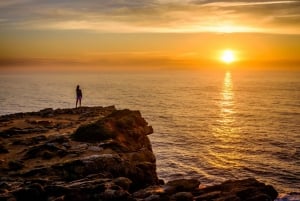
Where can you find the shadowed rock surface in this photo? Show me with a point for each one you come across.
(92, 154)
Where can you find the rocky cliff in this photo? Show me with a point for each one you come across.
(92, 154)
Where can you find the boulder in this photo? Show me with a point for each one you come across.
(125, 133)
(240, 190)
(184, 184)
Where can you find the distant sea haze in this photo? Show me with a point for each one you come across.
(208, 125)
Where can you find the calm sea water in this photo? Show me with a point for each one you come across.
(210, 125)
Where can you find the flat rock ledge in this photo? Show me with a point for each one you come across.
(96, 154)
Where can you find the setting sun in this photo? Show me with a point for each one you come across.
(228, 56)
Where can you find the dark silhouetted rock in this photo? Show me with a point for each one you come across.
(33, 192)
(184, 184)
(123, 182)
(15, 165)
(3, 150)
(247, 189)
(182, 196)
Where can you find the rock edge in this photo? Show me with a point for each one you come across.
(96, 153)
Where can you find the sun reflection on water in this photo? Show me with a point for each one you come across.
(227, 100)
(225, 131)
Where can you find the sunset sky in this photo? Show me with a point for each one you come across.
(100, 34)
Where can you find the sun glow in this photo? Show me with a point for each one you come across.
(228, 56)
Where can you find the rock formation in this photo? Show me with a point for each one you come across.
(92, 154)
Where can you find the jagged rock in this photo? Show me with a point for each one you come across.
(96, 153)
(127, 132)
(127, 127)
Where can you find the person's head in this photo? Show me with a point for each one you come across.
(77, 87)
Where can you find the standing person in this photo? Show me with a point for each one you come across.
(78, 96)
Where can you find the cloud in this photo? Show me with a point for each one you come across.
(272, 15)
(151, 15)
(84, 14)
(6, 4)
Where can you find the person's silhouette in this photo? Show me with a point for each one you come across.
(78, 96)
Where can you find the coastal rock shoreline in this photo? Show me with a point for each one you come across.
(96, 153)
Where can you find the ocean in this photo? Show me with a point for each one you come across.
(210, 125)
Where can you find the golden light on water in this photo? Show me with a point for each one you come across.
(225, 130)
(227, 101)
